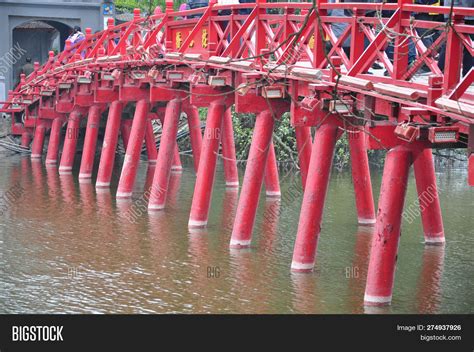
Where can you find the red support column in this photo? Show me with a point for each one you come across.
(109, 146)
(25, 139)
(195, 134)
(90, 142)
(361, 178)
(54, 141)
(272, 181)
(150, 173)
(70, 143)
(207, 167)
(176, 165)
(231, 172)
(428, 197)
(383, 255)
(303, 144)
(125, 129)
(470, 155)
(150, 142)
(252, 183)
(309, 226)
(134, 149)
(470, 172)
(161, 178)
(38, 140)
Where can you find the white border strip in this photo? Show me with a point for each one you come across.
(240, 243)
(377, 299)
(124, 195)
(301, 266)
(197, 223)
(362, 221)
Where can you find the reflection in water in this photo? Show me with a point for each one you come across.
(306, 296)
(66, 247)
(246, 275)
(270, 224)
(229, 208)
(203, 272)
(150, 173)
(104, 203)
(173, 189)
(377, 310)
(36, 169)
(428, 295)
(88, 201)
(52, 181)
(25, 169)
(356, 274)
(68, 189)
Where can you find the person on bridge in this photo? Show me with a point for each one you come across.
(338, 28)
(428, 36)
(245, 11)
(390, 50)
(226, 12)
(76, 37)
(27, 68)
(195, 4)
(467, 60)
(182, 7)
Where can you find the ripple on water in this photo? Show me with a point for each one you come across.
(67, 249)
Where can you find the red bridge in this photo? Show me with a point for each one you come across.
(270, 59)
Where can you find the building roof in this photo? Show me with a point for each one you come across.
(38, 25)
(124, 17)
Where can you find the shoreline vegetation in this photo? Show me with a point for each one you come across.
(284, 141)
(284, 138)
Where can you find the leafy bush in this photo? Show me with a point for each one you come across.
(284, 140)
(147, 6)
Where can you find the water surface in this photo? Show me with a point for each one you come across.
(64, 248)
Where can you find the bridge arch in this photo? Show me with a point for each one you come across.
(59, 15)
(36, 37)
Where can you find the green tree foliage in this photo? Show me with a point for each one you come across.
(146, 6)
(341, 154)
(284, 140)
(284, 135)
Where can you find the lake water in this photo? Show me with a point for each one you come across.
(64, 248)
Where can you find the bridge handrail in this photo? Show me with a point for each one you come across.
(145, 30)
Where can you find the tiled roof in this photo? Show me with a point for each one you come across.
(36, 25)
